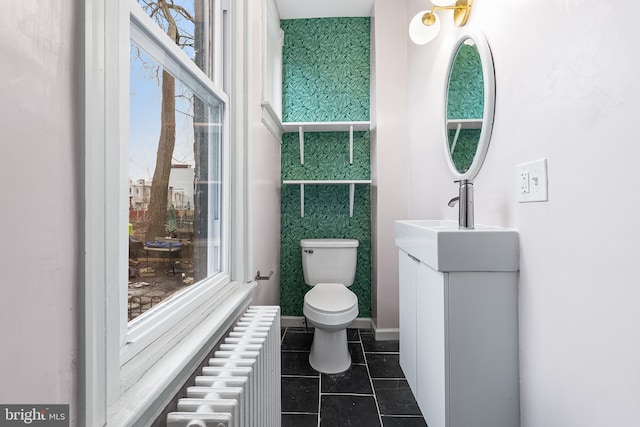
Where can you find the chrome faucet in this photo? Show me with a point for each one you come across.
(465, 204)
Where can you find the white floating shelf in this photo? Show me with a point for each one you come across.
(326, 126)
(464, 123)
(302, 127)
(459, 124)
(326, 181)
(303, 182)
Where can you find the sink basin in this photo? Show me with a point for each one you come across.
(444, 247)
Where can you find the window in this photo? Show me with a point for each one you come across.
(178, 132)
(175, 140)
(196, 26)
(130, 366)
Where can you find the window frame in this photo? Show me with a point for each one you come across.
(272, 70)
(148, 36)
(112, 392)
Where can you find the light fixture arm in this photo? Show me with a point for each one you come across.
(461, 12)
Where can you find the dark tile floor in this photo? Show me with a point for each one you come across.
(372, 392)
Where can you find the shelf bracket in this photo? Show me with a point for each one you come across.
(455, 138)
(301, 136)
(352, 192)
(351, 144)
(351, 183)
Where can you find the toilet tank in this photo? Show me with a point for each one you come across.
(329, 260)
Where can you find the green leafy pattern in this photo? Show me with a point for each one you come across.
(325, 78)
(465, 100)
(465, 149)
(326, 156)
(326, 213)
(326, 70)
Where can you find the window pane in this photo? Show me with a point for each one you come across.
(188, 23)
(174, 185)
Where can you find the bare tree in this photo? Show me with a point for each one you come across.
(163, 11)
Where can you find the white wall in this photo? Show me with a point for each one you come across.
(38, 166)
(567, 90)
(264, 171)
(389, 155)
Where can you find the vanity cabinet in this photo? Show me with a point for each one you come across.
(459, 342)
(408, 271)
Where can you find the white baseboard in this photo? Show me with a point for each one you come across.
(298, 322)
(385, 334)
(381, 334)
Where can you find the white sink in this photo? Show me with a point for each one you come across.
(444, 247)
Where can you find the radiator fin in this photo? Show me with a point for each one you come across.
(240, 387)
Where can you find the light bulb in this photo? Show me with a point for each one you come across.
(420, 33)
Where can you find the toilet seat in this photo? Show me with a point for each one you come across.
(330, 304)
(331, 298)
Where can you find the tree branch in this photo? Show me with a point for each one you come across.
(182, 11)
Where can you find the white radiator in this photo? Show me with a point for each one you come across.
(241, 385)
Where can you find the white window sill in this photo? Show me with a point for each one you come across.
(145, 330)
(144, 400)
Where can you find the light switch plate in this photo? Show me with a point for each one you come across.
(532, 182)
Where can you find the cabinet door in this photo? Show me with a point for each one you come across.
(482, 353)
(431, 345)
(408, 268)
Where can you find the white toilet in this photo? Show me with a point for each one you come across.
(329, 266)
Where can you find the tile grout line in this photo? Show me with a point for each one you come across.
(286, 329)
(365, 363)
(309, 377)
(390, 379)
(319, 395)
(373, 389)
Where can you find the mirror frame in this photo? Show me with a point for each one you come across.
(488, 109)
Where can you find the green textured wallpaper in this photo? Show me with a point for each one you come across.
(325, 78)
(326, 213)
(326, 156)
(325, 69)
(465, 149)
(465, 100)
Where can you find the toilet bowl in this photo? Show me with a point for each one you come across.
(329, 267)
(330, 308)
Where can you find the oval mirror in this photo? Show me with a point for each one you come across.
(470, 100)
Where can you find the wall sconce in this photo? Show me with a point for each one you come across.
(425, 26)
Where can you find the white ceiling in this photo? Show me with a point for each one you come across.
(298, 9)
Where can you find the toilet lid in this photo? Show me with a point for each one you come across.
(331, 297)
